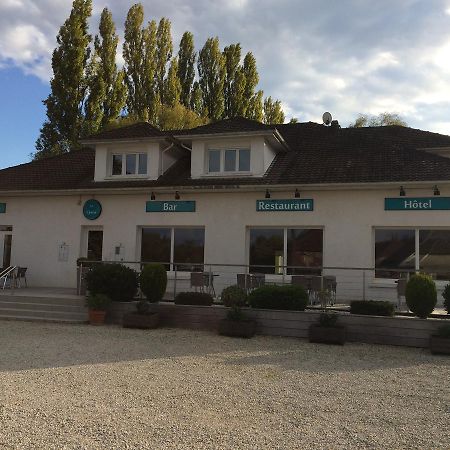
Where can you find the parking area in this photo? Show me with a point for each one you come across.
(85, 387)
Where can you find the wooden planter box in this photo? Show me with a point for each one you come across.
(237, 328)
(439, 345)
(327, 335)
(142, 321)
(96, 317)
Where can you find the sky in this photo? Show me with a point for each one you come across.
(346, 57)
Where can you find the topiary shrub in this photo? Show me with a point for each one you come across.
(193, 298)
(118, 282)
(153, 282)
(372, 308)
(421, 295)
(98, 302)
(446, 295)
(292, 297)
(233, 296)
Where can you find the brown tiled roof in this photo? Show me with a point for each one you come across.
(316, 155)
(135, 131)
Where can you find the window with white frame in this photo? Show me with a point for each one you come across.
(129, 164)
(402, 251)
(180, 246)
(228, 160)
(300, 249)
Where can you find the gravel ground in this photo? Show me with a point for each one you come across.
(84, 387)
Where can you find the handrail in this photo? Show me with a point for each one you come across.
(6, 273)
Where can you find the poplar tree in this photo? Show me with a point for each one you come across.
(186, 69)
(273, 113)
(62, 128)
(164, 49)
(253, 105)
(151, 95)
(172, 85)
(196, 103)
(211, 70)
(234, 81)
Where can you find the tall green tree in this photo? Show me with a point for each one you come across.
(164, 49)
(152, 98)
(107, 90)
(211, 70)
(196, 103)
(186, 68)
(234, 81)
(64, 122)
(253, 106)
(172, 89)
(381, 120)
(273, 113)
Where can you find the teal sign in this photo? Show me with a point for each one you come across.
(417, 204)
(2, 208)
(92, 209)
(292, 204)
(170, 206)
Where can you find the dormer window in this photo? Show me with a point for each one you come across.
(129, 164)
(229, 160)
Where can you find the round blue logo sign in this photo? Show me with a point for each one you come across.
(92, 209)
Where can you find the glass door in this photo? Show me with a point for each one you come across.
(5, 246)
(94, 245)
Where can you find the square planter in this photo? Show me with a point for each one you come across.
(439, 345)
(237, 328)
(142, 321)
(327, 335)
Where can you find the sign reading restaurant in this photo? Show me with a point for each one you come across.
(170, 206)
(417, 204)
(297, 204)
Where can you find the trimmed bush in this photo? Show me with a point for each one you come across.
(98, 302)
(421, 295)
(193, 298)
(153, 282)
(118, 282)
(328, 320)
(233, 296)
(372, 308)
(446, 295)
(279, 297)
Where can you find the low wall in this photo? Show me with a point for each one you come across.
(405, 331)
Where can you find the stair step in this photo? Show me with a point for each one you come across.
(68, 301)
(42, 306)
(36, 318)
(43, 313)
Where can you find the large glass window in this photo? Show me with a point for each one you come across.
(142, 164)
(117, 165)
(273, 248)
(182, 246)
(129, 164)
(244, 160)
(229, 160)
(434, 253)
(214, 161)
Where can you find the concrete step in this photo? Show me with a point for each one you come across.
(42, 306)
(38, 318)
(64, 301)
(78, 316)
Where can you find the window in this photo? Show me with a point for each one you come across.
(229, 160)
(398, 252)
(300, 249)
(181, 246)
(129, 164)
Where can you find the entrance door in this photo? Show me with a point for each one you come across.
(94, 245)
(5, 246)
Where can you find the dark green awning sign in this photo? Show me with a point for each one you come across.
(417, 204)
(170, 206)
(2, 208)
(292, 204)
(92, 209)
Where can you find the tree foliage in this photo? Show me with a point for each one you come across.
(381, 120)
(186, 67)
(273, 113)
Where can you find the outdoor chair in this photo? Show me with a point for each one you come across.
(329, 284)
(21, 274)
(250, 281)
(316, 287)
(401, 290)
(197, 281)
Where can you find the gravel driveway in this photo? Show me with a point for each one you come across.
(84, 387)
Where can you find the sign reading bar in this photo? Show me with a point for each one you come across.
(292, 204)
(92, 209)
(2, 208)
(417, 204)
(170, 206)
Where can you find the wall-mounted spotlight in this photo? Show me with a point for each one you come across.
(177, 195)
(267, 193)
(436, 190)
(402, 191)
(297, 193)
(153, 196)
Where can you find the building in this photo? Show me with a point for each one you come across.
(367, 204)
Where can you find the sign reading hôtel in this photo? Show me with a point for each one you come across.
(170, 206)
(417, 204)
(295, 205)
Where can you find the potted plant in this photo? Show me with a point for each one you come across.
(440, 342)
(236, 323)
(143, 318)
(446, 295)
(327, 331)
(421, 295)
(97, 304)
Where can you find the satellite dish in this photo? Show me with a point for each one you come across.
(327, 118)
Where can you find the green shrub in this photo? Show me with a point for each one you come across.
(153, 281)
(372, 308)
(446, 295)
(118, 282)
(421, 295)
(328, 320)
(235, 313)
(444, 331)
(233, 296)
(279, 297)
(98, 302)
(193, 298)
